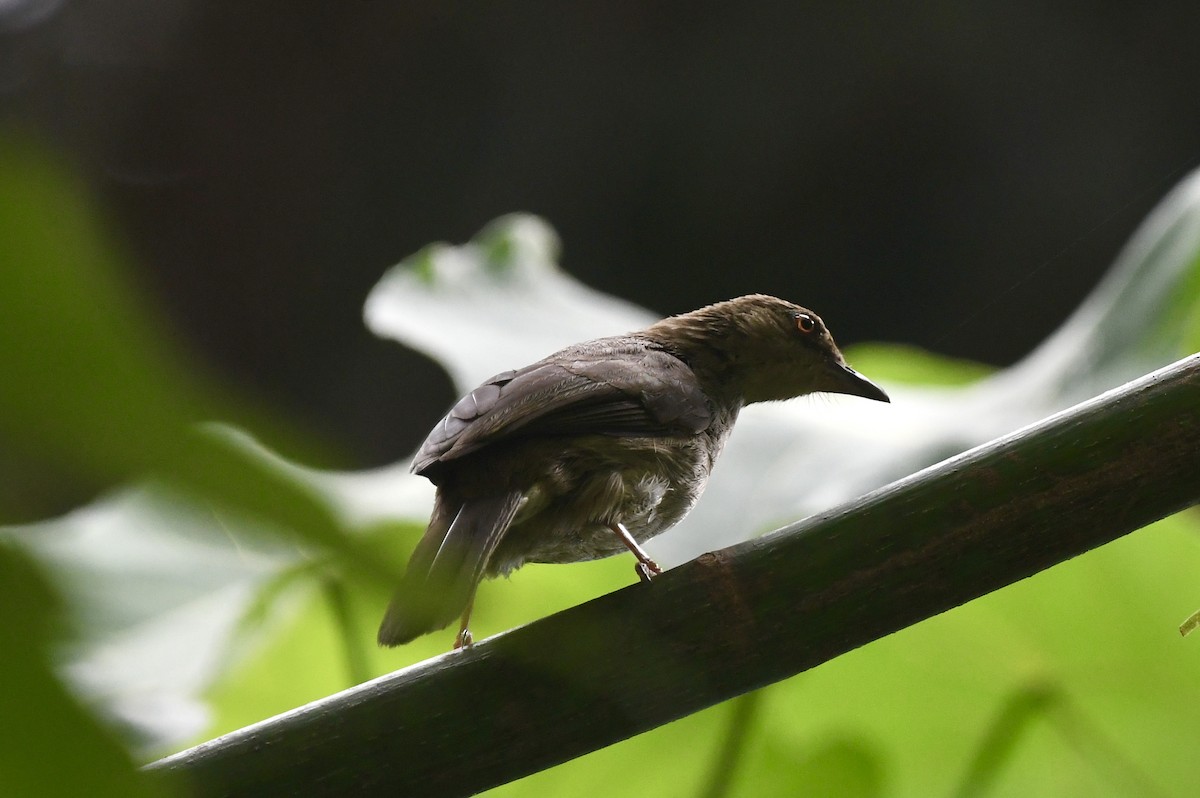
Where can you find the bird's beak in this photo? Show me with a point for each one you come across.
(840, 378)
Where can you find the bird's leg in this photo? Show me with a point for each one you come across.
(646, 568)
(464, 638)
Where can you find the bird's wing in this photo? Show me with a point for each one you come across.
(617, 387)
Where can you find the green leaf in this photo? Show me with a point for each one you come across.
(900, 363)
(95, 393)
(49, 744)
(187, 581)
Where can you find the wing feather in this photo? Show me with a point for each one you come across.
(618, 386)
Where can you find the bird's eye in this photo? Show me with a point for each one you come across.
(805, 323)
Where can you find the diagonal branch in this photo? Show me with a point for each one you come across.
(737, 619)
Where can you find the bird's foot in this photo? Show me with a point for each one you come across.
(647, 569)
(464, 639)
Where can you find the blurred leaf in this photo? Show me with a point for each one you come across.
(1097, 630)
(148, 571)
(739, 731)
(1033, 705)
(157, 586)
(836, 769)
(94, 385)
(85, 386)
(49, 745)
(899, 363)
(356, 639)
(95, 393)
(996, 753)
(498, 300)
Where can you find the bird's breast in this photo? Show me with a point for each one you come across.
(647, 484)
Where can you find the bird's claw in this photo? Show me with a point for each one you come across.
(464, 639)
(647, 570)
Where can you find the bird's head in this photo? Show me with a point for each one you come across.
(764, 349)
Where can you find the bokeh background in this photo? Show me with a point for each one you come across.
(950, 175)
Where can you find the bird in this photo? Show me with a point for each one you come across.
(599, 447)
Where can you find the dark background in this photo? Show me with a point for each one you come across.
(951, 175)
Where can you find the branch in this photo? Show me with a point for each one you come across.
(737, 619)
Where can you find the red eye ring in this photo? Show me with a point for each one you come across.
(805, 323)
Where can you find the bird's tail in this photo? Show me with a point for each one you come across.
(446, 565)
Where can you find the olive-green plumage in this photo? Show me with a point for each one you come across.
(604, 440)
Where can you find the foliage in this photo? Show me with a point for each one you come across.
(234, 584)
